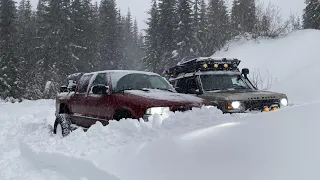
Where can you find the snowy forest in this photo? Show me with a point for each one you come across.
(40, 46)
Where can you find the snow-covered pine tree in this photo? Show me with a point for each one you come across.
(218, 26)
(168, 22)
(184, 33)
(82, 45)
(25, 46)
(108, 35)
(243, 16)
(311, 15)
(128, 40)
(9, 62)
(198, 26)
(151, 61)
(138, 46)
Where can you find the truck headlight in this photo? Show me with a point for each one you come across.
(235, 104)
(157, 110)
(284, 102)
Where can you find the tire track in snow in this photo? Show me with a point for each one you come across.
(70, 167)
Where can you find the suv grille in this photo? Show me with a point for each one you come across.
(260, 104)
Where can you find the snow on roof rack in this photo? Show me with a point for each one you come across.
(205, 64)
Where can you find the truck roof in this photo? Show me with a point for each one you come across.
(122, 71)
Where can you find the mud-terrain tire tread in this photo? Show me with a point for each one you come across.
(65, 124)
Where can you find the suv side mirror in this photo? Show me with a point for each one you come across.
(245, 71)
(100, 89)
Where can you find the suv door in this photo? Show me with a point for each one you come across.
(100, 105)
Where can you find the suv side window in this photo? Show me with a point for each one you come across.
(83, 83)
(101, 78)
(185, 84)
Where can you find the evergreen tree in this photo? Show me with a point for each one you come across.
(203, 30)
(243, 16)
(108, 35)
(218, 26)
(151, 60)
(311, 15)
(128, 39)
(167, 28)
(25, 45)
(184, 32)
(82, 37)
(9, 62)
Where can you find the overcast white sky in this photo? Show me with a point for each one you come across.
(140, 7)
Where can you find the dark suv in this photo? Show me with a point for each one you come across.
(116, 94)
(220, 81)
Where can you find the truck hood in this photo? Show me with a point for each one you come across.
(166, 96)
(243, 95)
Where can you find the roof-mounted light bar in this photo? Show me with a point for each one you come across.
(205, 64)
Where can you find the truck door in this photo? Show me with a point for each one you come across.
(100, 107)
(78, 101)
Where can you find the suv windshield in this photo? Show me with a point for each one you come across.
(139, 81)
(213, 82)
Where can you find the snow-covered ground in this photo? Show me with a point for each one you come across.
(201, 144)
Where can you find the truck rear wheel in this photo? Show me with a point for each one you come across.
(62, 125)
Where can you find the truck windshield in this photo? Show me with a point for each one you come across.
(139, 81)
(214, 82)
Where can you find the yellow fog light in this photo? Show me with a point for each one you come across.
(266, 109)
(216, 65)
(225, 65)
(205, 65)
(275, 108)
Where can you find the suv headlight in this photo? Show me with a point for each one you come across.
(235, 104)
(157, 110)
(284, 102)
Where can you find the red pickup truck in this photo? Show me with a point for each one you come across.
(114, 95)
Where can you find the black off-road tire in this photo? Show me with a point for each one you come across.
(64, 122)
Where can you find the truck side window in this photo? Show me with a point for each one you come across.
(101, 78)
(83, 83)
(185, 84)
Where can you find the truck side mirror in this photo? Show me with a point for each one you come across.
(245, 71)
(100, 89)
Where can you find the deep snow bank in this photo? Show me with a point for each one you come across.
(279, 145)
(292, 62)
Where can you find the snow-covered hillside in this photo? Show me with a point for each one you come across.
(291, 62)
(201, 144)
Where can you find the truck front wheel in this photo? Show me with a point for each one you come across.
(62, 125)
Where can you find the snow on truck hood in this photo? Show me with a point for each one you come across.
(165, 95)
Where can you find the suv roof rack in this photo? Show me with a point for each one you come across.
(205, 64)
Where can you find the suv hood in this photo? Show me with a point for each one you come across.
(243, 95)
(161, 95)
